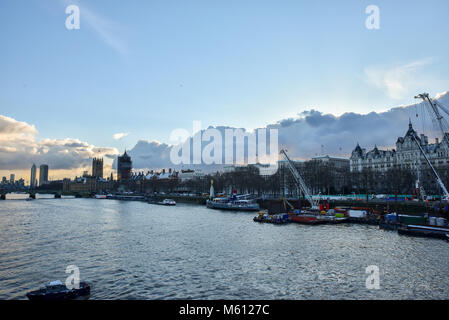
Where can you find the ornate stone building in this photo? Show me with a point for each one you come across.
(87, 185)
(124, 167)
(97, 167)
(406, 155)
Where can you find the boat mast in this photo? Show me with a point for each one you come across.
(300, 181)
(426, 98)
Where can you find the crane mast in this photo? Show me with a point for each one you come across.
(440, 182)
(300, 181)
(434, 106)
(425, 97)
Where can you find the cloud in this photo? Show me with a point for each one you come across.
(7, 149)
(13, 129)
(311, 133)
(399, 81)
(118, 136)
(147, 154)
(19, 148)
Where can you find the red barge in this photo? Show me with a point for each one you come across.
(306, 219)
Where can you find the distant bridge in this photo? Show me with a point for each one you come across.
(32, 193)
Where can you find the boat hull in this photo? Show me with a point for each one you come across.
(232, 207)
(273, 221)
(161, 203)
(62, 294)
(422, 231)
(306, 219)
(166, 204)
(389, 226)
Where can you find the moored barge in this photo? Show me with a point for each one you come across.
(424, 231)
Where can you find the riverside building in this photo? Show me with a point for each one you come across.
(406, 155)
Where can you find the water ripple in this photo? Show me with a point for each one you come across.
(133, 250)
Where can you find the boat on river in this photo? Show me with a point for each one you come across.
(264, 217)
(424, 231)
(235, 203)
(165, 202)
(311, 217)
(306, 218)
(55, 290)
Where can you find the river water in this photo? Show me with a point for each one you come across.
(135, 250)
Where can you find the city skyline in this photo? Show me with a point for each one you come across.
(153, 68)
(45, 176)
(236, 153)
(318, 131)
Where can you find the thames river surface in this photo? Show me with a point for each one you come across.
(135, 250)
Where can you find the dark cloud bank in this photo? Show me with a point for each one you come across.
(309, 134)
(313, 133)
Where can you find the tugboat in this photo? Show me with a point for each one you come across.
(55, 290)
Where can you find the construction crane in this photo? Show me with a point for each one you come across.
(435, 106)
(419, 189)
(290, 208)
(300, 181)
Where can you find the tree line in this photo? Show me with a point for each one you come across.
(320, 177)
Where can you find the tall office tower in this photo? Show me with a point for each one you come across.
(97, 167)
(12, 177)
(124, 166)
(43, 174)
(33, 176)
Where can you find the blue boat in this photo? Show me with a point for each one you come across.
(55, 290)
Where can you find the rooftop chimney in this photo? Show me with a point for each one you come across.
(423, 139)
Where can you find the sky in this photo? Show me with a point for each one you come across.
(137, 70)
